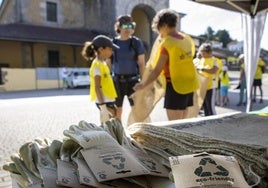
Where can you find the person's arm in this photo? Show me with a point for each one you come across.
(262, 67)
(154, 74)
(98, 90)
(242, 73)
(213, 70)
(141, 64)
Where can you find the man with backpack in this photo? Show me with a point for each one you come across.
(128, 62)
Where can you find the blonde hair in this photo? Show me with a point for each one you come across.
(205, 47)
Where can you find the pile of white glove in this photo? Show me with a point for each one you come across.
(89, 156)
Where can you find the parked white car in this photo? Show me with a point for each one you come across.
(78, 78)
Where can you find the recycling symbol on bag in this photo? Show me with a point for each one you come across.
(117, 162)
(213, 170)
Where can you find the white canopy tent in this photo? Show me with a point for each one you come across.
(254, 14)
(253, 31)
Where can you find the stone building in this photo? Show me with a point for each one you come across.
(51, 33)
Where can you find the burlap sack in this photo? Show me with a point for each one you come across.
(199, 96)
(146, 99)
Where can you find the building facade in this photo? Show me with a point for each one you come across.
(51, 33)
(38, 34)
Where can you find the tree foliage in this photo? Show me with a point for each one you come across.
(222, 36)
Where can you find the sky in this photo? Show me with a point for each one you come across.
(198, 17)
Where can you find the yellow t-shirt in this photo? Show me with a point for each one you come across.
(209, 63)
(258, 73)
(224, 79)
(183, 74)
(107, 85)
(242, 66)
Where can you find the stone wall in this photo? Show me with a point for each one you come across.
(99, 15)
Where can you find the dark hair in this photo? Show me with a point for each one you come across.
(89, 51)
(123, 19)
(165, 16)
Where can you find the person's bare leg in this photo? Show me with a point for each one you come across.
(119, 112)
(254, 93)
(260, 93)
(222, 101)
(218, 97)
(176, 114)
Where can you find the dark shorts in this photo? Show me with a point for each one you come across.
(124, 87)
(176, 101)
(219, 84)
(257, 82)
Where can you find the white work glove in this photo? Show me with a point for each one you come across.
(115, 128)
(88, 137)
(21, 174)
(36, 155)
(68, 148)
(35, 163)
(102, 153)
(89, 126)
(54, 150)
(104, 113)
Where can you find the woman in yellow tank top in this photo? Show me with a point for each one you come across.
(175, 60)
(208, 66)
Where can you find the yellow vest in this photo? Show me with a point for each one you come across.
(183, 74)
(208, 63)
(258, 73)
(107, 85)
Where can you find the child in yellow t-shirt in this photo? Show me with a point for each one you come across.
(102, 88)
(225, 85)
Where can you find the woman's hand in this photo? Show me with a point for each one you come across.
(138, 86)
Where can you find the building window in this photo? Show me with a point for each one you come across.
(53, 58)
(51, 12)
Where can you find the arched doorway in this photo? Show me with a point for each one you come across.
(143, 15)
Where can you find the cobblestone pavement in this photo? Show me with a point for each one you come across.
(27, 115)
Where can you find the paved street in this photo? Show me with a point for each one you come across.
(47, 113)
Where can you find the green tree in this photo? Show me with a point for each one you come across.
(224, 37)
(210, 34)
